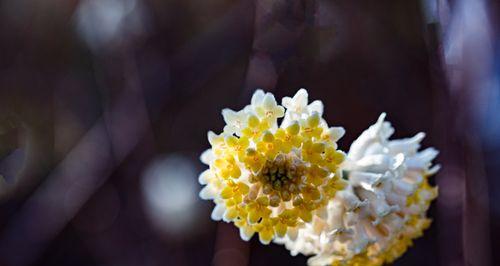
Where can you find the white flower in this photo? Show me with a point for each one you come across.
(236, 121)
(265, 106)
(298, 107)
(375, 218)
(339, 234)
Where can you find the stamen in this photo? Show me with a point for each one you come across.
(282, 175)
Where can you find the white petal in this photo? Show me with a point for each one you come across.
(207, 193)
(375, 148)
(381, 118)
(248, 109)
(218, 212)
(205, 177)
(287, 102)
(377, 163)
(246, 234)
(257, 97)
(416, 163)
(365, 179)
(320, 260)
(301, 97)
(292, 233)
(207, 157)
(428, 154)
(263, 242)
(395, 199)
(349, 200)
(434, 169)
(269, 101)
(316, 106)
(403, 188)
(374, 134)
(228, 115)
(229, 129)
(211, 136)
(297, 104)
(406, 146)
(336, 133)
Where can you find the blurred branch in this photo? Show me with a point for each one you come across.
(76, 178)
(459, 68)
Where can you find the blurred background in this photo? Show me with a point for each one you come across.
(105, 105)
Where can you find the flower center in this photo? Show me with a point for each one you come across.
(282, 175)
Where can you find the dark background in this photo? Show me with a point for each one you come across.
(105, 105)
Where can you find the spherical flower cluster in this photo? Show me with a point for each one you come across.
(375, 218)
(272, 178)
(289, 183)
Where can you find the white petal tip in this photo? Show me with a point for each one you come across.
(244, 235)
(434, 169)
(217, 212)
(206, 157)
(206, 193)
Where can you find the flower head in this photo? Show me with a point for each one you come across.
(375, 218)
(270, 178)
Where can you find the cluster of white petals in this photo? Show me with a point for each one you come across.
(383, 208)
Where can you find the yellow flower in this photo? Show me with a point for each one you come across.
(267, 108)
(266, 229)
(288, 218)
(253, 160)
(269, 178)
(226, 167)
(289, 137)
(258, 209)
(217, 142)
(332, 158)
(313, 151)
(255, 127)
(237, 145)
(270, 146)
(310, 127)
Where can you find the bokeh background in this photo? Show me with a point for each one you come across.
(105, 105)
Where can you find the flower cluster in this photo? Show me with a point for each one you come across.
(374, 220)
(289, 183)
(271, 178)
